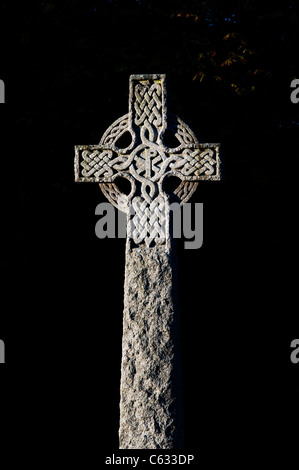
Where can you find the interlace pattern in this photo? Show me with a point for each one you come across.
(148, 104)
(147, 161)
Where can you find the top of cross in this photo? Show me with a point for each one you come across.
(146, 161)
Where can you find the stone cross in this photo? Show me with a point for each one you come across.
(135, 147)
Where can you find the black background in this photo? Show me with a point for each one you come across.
(66, 72)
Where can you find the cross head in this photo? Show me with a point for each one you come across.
(146, 161)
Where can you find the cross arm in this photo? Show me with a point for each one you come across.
(98, 164)
(197, 163)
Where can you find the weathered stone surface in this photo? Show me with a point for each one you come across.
(150, 406)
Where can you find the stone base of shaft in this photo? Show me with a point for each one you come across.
(151, 398)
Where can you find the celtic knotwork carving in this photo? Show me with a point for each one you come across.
(114, 195)
(148, 103)
(195, 162)
(101, 164)
(185, 190)
(97, 163)
(148, 221)
(146, 161)
(181, 131)
(114, 132)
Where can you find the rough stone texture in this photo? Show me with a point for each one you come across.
(150, 406)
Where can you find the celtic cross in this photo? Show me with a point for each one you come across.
(150, 403)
